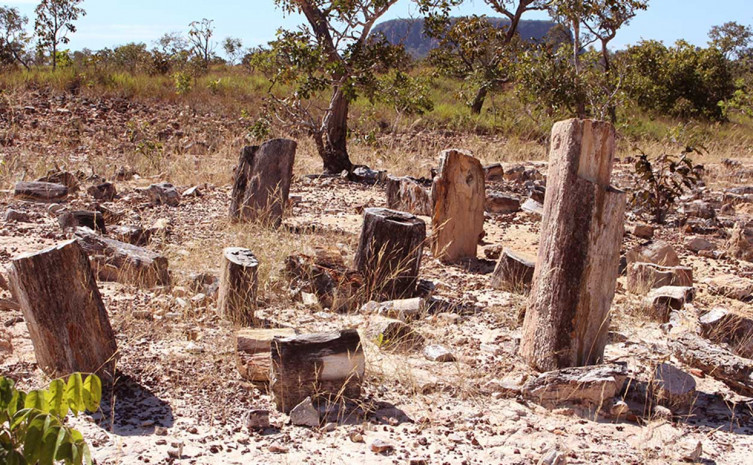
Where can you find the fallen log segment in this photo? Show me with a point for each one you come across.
(124, 263)
(328, 367)
(238, 284)
(589, 385)
(577, 268)
(46, 192)
(253, 349)
(389, 253)
(736, 372)
(63, 309)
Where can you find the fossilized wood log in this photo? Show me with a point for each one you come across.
(262, 181)
(589, 385)
(513, 272)
(326, 367)
(326, 276)
(124, 263)
(642, 277)
(581, 232)
(736, 372)
(458, 197)
(406, 195)
(389, 252)
(41, 192)
(63, 310)
(236, 301)
(253, 351)
(89, 219)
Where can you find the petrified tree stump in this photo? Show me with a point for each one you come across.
(262, 181)
(326, 366)
(238, 284)
(389, 252)
(513, 272)
(576, 272)
(41, 192)
(63, 310)
(90, 219)
(407, 195)
(458, 197)
(124, 263)
(253, 347)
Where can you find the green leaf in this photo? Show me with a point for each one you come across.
(36, 400)
(34, 437)
(49, 444)
(56, 403)
(74, 393)
(92, 393)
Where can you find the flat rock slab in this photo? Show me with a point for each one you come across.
(735, 329)
(589, 386)
(731, 286)
(642, 277)
(734, 371)
(501, 203)
(658, 253)
(673, 387)
(46, 192)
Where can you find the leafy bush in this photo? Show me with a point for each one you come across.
(31, 424)
(662, 181)
(182, 82)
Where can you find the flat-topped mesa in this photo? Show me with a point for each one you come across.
(577, 267)
(458, 197)
(262, 181)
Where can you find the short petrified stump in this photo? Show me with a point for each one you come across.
(327, 367)
(389, 252)
(262, 181)
(513, 272)
(407, 195)
(642, 277)
(458, 197)
(64, 312)
(47, 192)
(238, 284)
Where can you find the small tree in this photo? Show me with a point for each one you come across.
(479, 51)
(732, 39)
(13, 37)
(200, 35)
(54, 22)
(233, 49)
(333, 53)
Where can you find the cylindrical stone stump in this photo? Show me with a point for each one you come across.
(63, 309)
(236, 301)
(262, 182)
(581, 232)
(389, 253)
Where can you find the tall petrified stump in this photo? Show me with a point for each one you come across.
(389, 252)
(326, 367)
(262, 181)
(63, 309)
(576, 272)
(236, 301)
(458, 197)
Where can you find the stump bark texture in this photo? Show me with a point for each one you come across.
(262, 181)
(458, 197)
(577, 267)
(63, 309)
(238, 285)
(389, 252)
(326, 366)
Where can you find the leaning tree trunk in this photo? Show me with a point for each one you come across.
(335, 150)
(389, 252)
(478, 101)
(67, 320)
(236, 301)
(576, 273)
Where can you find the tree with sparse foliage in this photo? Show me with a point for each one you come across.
(13, 37)
(200, 35)
(732, 39)
(332, 53)
(479, 52)
(233, 49)
(54, 22)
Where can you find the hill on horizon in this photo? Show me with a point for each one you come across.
(410, 33)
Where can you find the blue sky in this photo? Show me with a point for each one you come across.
(113, 22)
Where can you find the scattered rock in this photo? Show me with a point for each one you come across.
(673, 388)
(699, 209)
(395, 335)
(104, 192)
(493, 252)
(494, 172)
(501, 203)
(699, 244)
(740, 243)
(723, 326)
(514, 271)
(192, 192)
(438, 353)
(533, 207)
(305, 414)
(381, 447)
(163, 194)
(65, 178)
(553, 457)
(90, 219)
(658, 253)
(662, 301)
(403, 309)
(589, 386)
(257, 419)
(134, 235)
(15, 216)
(644, 231)
(642, 277)
(731, 286)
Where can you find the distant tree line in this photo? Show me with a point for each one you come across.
(318, 70)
